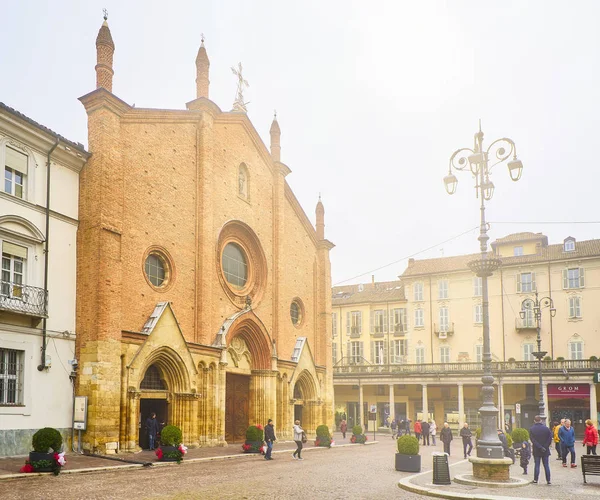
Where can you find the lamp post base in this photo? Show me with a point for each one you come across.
(491, 469)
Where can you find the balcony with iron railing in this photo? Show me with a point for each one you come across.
(343, 369)
(524, 325)
(444, 331)
(23, 299)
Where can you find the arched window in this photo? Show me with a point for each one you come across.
(152, 380)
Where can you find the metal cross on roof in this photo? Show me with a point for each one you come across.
(105, 12)
(238, 103)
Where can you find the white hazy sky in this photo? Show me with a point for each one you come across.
(372, 99)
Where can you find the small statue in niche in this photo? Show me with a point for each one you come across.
(242, 183)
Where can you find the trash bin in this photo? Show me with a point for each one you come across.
(441, 469)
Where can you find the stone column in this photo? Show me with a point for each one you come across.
(425, 404)
(360, 406)
(593, 404)
(392, 405)
(461, 406)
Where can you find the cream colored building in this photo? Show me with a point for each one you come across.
(414, 346)
(37, 311)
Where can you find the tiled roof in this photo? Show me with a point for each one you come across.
(550, 253)
(521, 238)
(18, 114)
(385, 291)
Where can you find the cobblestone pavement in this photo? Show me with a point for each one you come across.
(362, 472)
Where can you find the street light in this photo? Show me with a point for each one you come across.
(536, 306)
(477, 162)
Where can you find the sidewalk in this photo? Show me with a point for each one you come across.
(9, 467)
(566, 482)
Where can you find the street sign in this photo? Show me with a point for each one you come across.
(518, 408)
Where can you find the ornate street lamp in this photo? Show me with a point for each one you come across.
(536, 306)
(479, 163)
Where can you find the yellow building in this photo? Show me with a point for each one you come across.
(203, 290)
(414, 346)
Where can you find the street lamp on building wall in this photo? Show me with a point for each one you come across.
(479, 163)
(536, 306)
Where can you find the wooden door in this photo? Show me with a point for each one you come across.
(236, 407)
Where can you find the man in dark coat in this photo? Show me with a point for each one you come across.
(541, 437)
(466, 434)
(269, 438)
(446, 437)
(152, 429)
(425, 431)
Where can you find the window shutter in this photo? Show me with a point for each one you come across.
(348, 352)
(385, 354)
(16, 160)
(519, 283)
(348, 323)
(372, 314)
(360, 351)
(579, 311)
(391, 321)
(581, 277)
(385, 321)
(359, 322)
(571, 307)
(565, 278)
(12, 249)
(533, 288)
(372, 352)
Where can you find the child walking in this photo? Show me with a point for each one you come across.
(525, 456)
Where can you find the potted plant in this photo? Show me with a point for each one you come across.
(255, 443)
(171, 448)
(323, 437)
(40, 459)
(519, 436)
(357, 435)
(408, 458)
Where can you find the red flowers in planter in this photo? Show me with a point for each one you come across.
(27, 467)
(159, 453)
(246, 447)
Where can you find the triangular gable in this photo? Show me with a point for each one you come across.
(305, 362)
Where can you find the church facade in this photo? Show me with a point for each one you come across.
(203, 290)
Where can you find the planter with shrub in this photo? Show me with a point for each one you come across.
(323, 437)
(519, 436)
(254, 443)
(41, 459)
(357, 435)
(408, 458)
(171, 447)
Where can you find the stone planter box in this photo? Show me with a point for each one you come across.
(256, 446)
(408, 463)
(168, 449)
(35, 456)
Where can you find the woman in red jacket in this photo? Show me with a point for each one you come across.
(591, 437)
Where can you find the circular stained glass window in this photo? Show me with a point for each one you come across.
(155, 269)
(235, 266)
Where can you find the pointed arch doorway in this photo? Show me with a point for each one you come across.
(153, 399)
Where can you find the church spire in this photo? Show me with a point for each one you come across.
(105, 49)
(320, 211)
(275, 139)
(202, 67)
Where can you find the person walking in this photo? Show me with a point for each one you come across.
(446, 437)
(561, 451)
(591, 437)
(269, 438)
(433, 431)
(407, 426)
(541, 437)
(299, 436)
(567, 438)
(344, 428)
(425, 432)
(394, 427)
(466, 434)
(418, 430)
(152, 430)
(524, 456)
(555, 428)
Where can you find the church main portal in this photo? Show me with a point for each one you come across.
(236, 407)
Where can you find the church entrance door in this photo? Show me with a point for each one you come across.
(237, 396)
(148, 406)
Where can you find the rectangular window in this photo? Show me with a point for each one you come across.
(478, 313)
(442, 289)
(419, 317)
(420, 355)
(15, 170)
(399, 320)
(526, 283)
(399, 351)
(477, 286)
(444, 319)
(575, 350)
(11, 377)
(378, 352)
(444, 354)
(529, 320)
(353, 323)
(478, 353)
(574, 307)
(334, 324)
(518, 251)
(569, 245)
(334, 353)
(379, 321)
(355, 353)
(574, 278)
(13, 270)
(418, 291)
(527, 352)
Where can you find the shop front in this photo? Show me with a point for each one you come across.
(570, 401)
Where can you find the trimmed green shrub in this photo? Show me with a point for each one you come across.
(171, 436)
(255, 433)
(593, 358)
(560, 358)
(520, 435)
(46, 438)
(357, 430)
(511, 360)
(408, 445)
(547, 358)
(509, 440)
(323, 431)
(478, 433)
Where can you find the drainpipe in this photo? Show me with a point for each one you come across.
(502, 307)
(551, 329)
(430, 321)
(45, 320)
